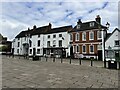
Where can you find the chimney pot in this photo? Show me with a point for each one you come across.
(79, 21)
(34, 27)
(98, 19)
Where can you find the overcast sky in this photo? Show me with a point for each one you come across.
(18, 16)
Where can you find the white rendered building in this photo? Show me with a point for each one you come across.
(42, 41)
(112, 46)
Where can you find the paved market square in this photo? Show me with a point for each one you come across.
(23, 73)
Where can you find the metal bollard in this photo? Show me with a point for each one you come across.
(61, 59)
(53, 59)
(46, 58)
(91, 62)
(70, 60)
(104, 63)
(80, 61)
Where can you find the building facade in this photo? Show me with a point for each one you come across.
(42, 41)
(5, 45)
(112, 46)
(86, 39)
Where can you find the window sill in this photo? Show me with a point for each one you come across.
(91, 39)
(117, 46)
(83, 40)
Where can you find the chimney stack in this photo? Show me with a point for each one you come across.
(50, 25)
(28, 29)
(79, 21)
(98, 19)
(34, 27)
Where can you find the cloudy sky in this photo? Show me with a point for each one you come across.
(18, 16)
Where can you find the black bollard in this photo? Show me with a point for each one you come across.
(70, 59)
(46, 58)
(54, 59)
(104, 63)
(61, 59)
(91, 62)
(79, 61)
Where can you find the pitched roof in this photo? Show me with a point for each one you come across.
(59, 29)
(44, 30)
(86, 26)
(109, 35)
(40, 30)
(24, 33)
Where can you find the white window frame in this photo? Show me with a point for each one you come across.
(90, 35)
(77, 37)
(98, 35)
(85, 48)
(84, 33)
(71, 37)
(90, 49)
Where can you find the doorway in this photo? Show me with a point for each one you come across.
(100, 55)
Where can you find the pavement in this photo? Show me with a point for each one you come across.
(23, 73)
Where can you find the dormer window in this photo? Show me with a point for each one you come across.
(78, 26)
(91, 24)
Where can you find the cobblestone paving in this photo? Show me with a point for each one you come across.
(22, 73)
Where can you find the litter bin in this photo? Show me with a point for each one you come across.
(112, 64)
(35, 58)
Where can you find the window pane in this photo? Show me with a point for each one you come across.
(99, 34)
(60, 43)
(91, 48)
(77, 47)
(38, 42)
(48, 36)
(54, 36)
(48, 44)
(60, 35)
(84, 36)
(84, 49)
(18, 44)
(38, 51)
(91, 35)
(71, 37)
(30, 51)
(117, 43)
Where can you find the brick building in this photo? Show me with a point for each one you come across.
(86, 39)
